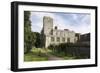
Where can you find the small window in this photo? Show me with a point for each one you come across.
(68, 40)
(58, 39)
(52, 39)
(51, 32)
(63, 39)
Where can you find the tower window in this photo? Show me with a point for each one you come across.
(56, 27)
(51, 32)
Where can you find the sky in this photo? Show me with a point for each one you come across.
(77, 22)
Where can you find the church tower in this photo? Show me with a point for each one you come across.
(47, 25)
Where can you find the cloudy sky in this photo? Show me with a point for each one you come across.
(78, 22)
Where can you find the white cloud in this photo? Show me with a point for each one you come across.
(59, 21)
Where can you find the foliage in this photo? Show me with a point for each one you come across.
(37, 39)
(27, 32)
(31, 39)
(77, 50)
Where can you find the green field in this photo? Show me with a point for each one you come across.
(36, 54)
(41, 54)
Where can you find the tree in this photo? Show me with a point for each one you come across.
(27, 32)
(36, 39)
(33, 39)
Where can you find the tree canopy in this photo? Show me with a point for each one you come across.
(27, 32)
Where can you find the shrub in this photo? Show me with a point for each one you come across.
(78, 50)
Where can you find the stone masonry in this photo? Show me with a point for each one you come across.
(52, 35)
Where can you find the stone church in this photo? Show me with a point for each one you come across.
(54, 35)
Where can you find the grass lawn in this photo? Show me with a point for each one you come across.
(39, 54)
(36, 54)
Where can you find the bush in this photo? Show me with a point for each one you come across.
(78, 50)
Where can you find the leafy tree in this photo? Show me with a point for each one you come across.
(33, 39)
(27, 32)
(37, 39)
